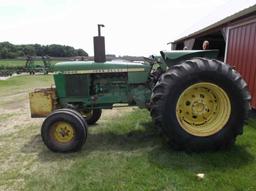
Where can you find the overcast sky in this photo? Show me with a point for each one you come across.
(133, 27)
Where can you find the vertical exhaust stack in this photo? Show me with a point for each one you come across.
(99, 46)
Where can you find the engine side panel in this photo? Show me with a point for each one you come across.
(100, 85)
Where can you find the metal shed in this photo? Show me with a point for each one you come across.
(235, 37)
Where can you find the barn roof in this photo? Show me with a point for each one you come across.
(247, 9)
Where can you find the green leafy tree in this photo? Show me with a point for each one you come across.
(8, 50)
(4, 52)
(81, 52)
(29, 50)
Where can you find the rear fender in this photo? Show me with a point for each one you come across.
(175, 57)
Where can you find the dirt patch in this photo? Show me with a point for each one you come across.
(12, 102)
(112, 114)
(8, 77)
(15, 113)
(5, 78)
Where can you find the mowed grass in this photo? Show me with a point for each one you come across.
(24, 83)
(12, 63)
(123, 152)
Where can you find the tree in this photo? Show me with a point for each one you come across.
(8, 50)
(4, 53)
(29, 50)
(39, 49)
(81, 52)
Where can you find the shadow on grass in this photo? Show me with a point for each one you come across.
(101, 141)
(236, 157)
(252, 119)
(252, 114)
(149, 142)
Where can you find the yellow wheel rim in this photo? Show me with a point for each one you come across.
(203, 109)
(63, 132)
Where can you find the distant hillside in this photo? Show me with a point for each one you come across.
(8, 50)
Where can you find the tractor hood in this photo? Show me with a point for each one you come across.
(104, 67)
(174, 57)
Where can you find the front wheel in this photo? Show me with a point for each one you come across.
(91, 116)
(64, 131)
(200, 105)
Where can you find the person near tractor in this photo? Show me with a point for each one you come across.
(205, 45)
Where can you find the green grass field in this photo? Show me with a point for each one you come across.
(12, 63)
(122, 152)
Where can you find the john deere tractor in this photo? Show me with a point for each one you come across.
(197, 102)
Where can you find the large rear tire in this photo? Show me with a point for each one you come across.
(200, 105)
(64, 131)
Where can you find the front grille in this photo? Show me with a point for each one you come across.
(77, 85)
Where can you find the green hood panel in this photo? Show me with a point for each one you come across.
(94, 67)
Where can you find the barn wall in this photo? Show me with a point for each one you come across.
(241, 53)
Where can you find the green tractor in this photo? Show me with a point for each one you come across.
(197, 102)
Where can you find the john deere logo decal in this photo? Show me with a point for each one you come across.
(115, 70)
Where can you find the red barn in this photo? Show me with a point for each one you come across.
(235, 37)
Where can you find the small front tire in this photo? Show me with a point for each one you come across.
(63, 131)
